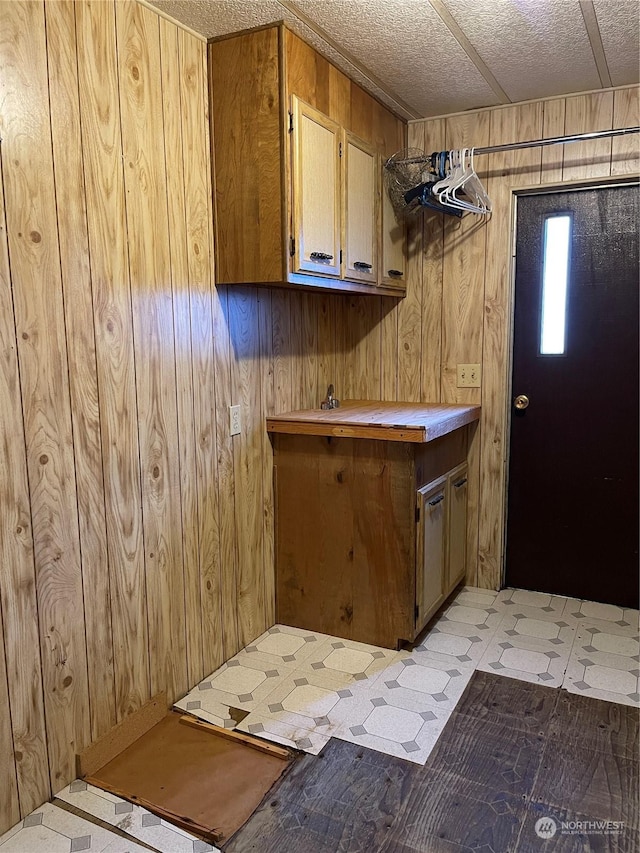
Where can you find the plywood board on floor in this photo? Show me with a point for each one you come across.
(205, 784)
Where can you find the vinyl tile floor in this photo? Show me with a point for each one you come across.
(300, 688)
(303, 689)
(519, 768)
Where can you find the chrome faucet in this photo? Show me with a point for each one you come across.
(330, 402)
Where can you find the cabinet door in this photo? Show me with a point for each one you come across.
(360, 191)
(316, 191)
(457, 532)
(430, 562)
(394, 261)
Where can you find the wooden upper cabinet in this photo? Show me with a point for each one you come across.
(316, 191)
(289, 210)
(393, 241)
(360, 210)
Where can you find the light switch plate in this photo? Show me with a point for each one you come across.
(469, 375)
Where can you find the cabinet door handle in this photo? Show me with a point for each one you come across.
(362, 265)
(460, 483)
(436, 501)
(320, 256)
(395, 273)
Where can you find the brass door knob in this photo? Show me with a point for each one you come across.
(521, 402)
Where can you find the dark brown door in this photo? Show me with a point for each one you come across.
(572, 525)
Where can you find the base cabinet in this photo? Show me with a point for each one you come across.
(441, 541)
(370, 534)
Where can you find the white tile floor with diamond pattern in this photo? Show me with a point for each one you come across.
(301, 688)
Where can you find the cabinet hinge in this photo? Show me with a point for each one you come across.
(292, 249)
(417, 514)
(417, 612)
(340, 149)
(290, 122)
(340, 255)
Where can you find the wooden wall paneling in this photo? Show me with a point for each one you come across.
(553, 125)
(363, 360)
(267, 394)
(463, 272)
(327, 359)
(83, 379)
(588, 159)
(24, 767)
(281, 343)
(150, 274)
(625, 152)
(9, 805)
(432, 271)
(181, 296)
(247, 450)
(462, 310)
(304, 343)
(226, 482)
(410, 308)
(508, 170)
(389, 136)
(389, 349)
(204, 608)
(32, 230)
(104, 187)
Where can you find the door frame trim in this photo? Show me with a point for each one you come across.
(630, 179)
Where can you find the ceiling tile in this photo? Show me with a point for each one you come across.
(619, 25)
(534, 49)
(213, 18)
(408, 48)
(219, 17)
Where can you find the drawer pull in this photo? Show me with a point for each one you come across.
(460, 483)
(320, 256)
(436, 501)
(362, 265)
(395, 273)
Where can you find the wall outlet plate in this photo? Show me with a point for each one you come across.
(469, 375)
(235, 421)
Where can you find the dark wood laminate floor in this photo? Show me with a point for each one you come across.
(510, 754)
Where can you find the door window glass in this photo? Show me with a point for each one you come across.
(555, 274)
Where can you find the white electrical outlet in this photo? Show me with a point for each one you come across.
(235, 421)
(468, 375)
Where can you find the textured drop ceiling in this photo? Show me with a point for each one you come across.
(430, 57)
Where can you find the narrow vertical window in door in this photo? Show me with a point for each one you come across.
(572, 521)
(555, 276)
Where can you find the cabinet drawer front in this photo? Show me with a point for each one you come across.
(360, 211)
(316, 191)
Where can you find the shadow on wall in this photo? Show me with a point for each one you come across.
(276, 323)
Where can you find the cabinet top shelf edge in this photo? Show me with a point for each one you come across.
(387, 421)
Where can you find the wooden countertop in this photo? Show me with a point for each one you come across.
(415, 422)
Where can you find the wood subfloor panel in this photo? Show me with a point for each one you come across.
(511, 753)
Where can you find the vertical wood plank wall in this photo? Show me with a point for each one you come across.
(457, 309)
(136, 536)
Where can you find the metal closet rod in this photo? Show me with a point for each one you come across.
(540, 143)
(557, 140)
